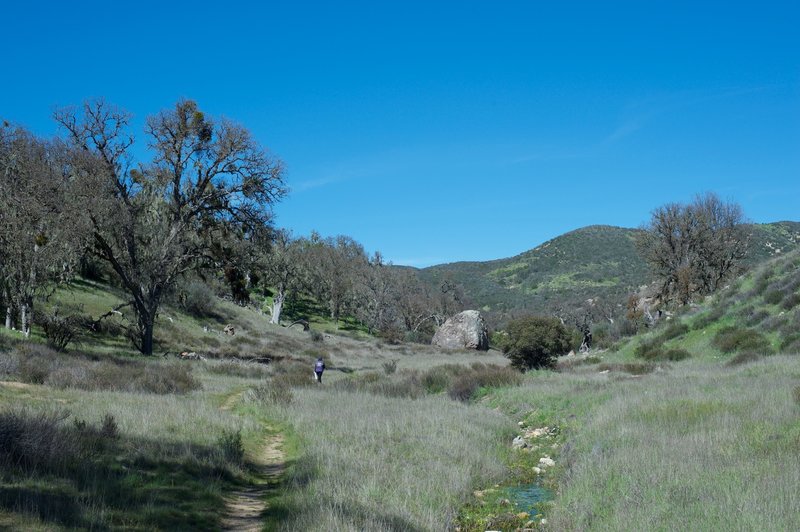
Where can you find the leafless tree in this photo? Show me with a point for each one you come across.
(39, 236)
(693, 248)
(154, 222)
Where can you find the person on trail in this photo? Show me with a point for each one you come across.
(319, 367)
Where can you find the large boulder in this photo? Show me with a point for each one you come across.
(466, 330)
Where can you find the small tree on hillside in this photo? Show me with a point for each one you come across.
(534, 342)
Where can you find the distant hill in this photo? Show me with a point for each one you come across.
(598, 262)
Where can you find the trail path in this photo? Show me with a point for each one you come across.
(244, 508)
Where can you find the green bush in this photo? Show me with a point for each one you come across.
(732, 339)
(199, 299)
(706, 319)
(535, 342)
(271, 393)
(231, 447)
(744, 358)
(646, 348)
(773, 297)
(464, 386)
(674, 330)
(248, 370)
(791, 301)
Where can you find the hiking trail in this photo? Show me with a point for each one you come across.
(244, 508)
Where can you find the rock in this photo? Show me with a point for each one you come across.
(523, 515)
(466, 330)
(521, 424)
(229, 330)
(537, 470)
(519, 443)
(543, 521)
(546, 461)
(478, 494)
(505, 502)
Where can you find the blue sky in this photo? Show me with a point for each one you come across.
(445, 131)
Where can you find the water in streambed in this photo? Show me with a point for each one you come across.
(526, 496)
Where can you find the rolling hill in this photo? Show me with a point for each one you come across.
(598, 262)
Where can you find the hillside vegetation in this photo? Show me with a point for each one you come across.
(598, 262)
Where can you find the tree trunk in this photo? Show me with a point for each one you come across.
(9, 316)
(24, 317)
(147, 337)
(277, 307)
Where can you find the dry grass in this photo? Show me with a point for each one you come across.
(378, 463)
(700, 447)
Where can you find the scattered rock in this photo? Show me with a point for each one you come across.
(537, 470)
(478, 494)
(519, 443)
(464, 330)
(546, 461)
(190, 355)
(543, 521)
(521, 423)
(523, 515)
(229, 330)
(505, 502)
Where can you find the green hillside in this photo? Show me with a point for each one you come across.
(757, 315)
(598, 262)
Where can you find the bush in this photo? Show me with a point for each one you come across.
(791, 344)
(773, 297)
(60, 331)
(744, 358)
(248, 370)
(31, 441)
(464, 386)
(647, 348)
(535, 342)
(674, 330)
(272, 393)
(315, 335)
(389, 367)
(199, 299)
(791, 301)
(231, 447)
(704, 320)
(732, 339)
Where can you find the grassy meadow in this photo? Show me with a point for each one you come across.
(694, 424)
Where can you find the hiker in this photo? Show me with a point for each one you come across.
(319, 367)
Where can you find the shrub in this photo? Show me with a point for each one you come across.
(791, 344)
(231, 447)
(31, 441)
(293, 373)
(438, 379)
(791, 301)
(315, 335)
(706, 319)
(166, 379)
(389, 367)
(60, 331)
(731, 339)
(248, 370)
(647, 348)
(674, 330)
(756, 317)
(744, 358)
(674, 355)
(464, 386)
(199, 299)
(271, 393)
(632, 368)
(534, 342)
(773, 297)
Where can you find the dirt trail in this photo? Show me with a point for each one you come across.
(244, 508)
